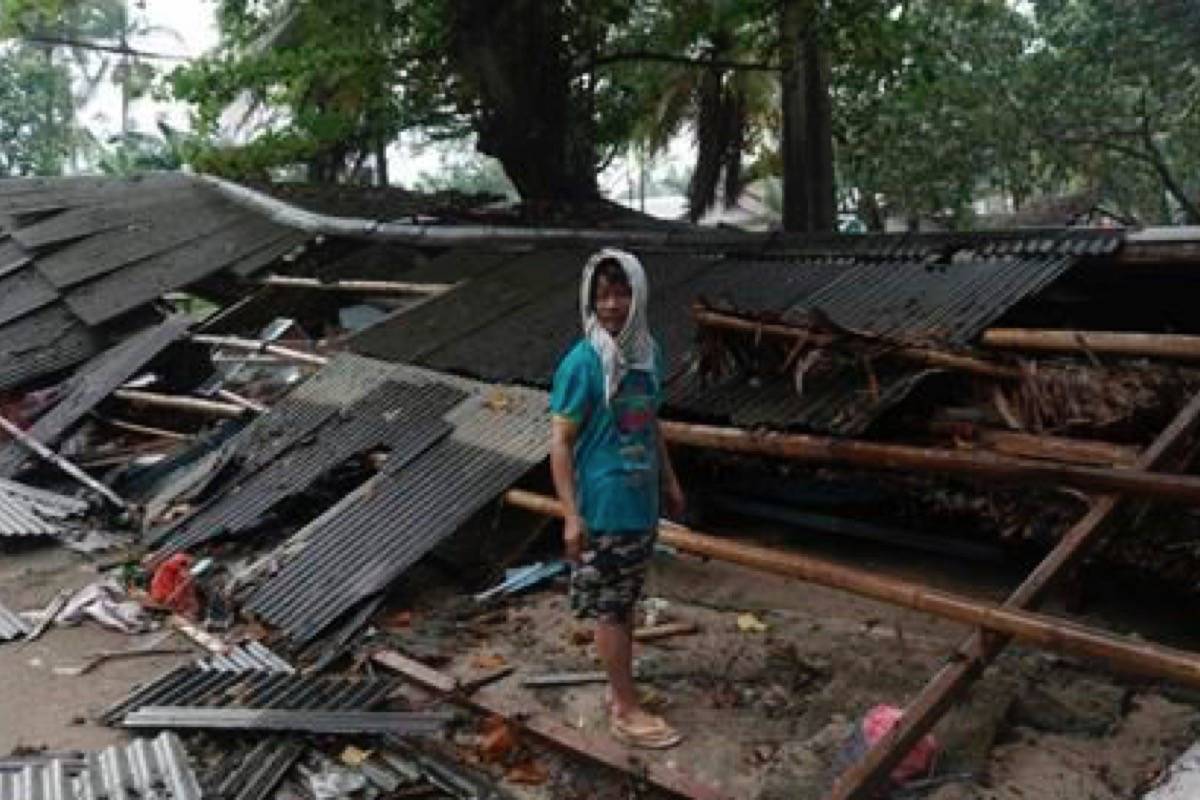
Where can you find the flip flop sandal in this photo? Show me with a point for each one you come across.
(656, 738)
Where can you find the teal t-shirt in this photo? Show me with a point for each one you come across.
(616, 449)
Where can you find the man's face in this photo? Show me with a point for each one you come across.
(612, 304)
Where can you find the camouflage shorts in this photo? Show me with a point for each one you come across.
(608, 584)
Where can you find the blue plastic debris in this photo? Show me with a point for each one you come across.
(520, 579)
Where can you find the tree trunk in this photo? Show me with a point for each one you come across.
(511, 56)
(381, 165)
(808, 191)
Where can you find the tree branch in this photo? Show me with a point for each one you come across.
(673, 58)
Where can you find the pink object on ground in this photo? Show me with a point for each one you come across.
(919, 761)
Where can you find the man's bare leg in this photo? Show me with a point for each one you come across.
(614, 641)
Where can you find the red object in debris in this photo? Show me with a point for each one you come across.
(172, 585)
(919, 761)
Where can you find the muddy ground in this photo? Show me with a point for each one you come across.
(765, 712)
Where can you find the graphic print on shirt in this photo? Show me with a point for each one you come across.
(633, 417)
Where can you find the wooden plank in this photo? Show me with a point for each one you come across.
(601, 750)
(863, 779)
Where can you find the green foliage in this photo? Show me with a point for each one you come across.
(469, 174)
(35, 113)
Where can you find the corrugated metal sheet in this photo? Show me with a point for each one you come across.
(93, 383)
(321, 722)
(927, 246)
(845, 401)
(905, 296)
(376, 534)
(197, 687)
(256, 772)
(247, 657)
(146, 769)
(12, 625)
(928, 302)
(403, 418)
(25, 511)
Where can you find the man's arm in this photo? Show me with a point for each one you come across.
(672, 492)
(563, 433)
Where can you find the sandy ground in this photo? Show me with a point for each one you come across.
(765, 713)
(39, 709)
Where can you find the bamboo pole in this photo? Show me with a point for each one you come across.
(874, 455)
(211, 408)
(1131, 345)
(146, 430)
(254, 345)
(47, 454)
(356, 286)
(244, 402)
(920, 355)
(862, 780)
(1053, 448)
(1121, 653)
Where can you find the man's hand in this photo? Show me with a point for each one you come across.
(674, 501)
(574, 538)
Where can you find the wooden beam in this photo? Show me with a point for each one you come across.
(196, 405)
(254, 345)
(862, 780)
(1120, 653)
(920, 355)
(1173, 347)
(356, 287)
(45, 453)
(599, 749)
(978, 465)
(146, 430)
(1028, 445)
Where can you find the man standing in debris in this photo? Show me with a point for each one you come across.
(610, 465)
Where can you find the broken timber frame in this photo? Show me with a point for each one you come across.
(212, 408)
(356, 286)
(1173, 346)
(558, 734)
(258, 346)
(1063, 636)
(876, 455)
(63, 464)
(977, 651)
(921, 355)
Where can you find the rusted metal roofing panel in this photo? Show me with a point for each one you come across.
(377, 534)
(923, 301)
(206, 688)
(146, 768)
(25, 511)
(93, 383)
(12, 625)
